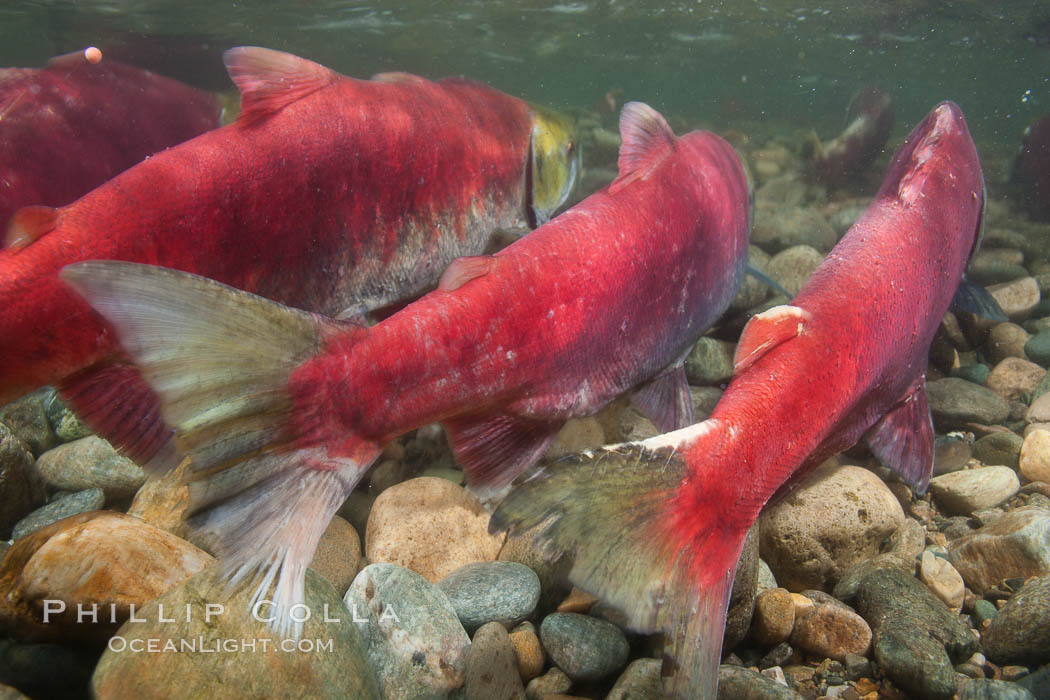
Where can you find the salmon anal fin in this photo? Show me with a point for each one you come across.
(645, 139)
(495, 449)
(767, 330)
(271, 80)
(116, 402)
(398, 77)
(665, 399)
(463, 270)
(29, 224)
(903, 438)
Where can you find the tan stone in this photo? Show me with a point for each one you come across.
(801, 604)
(942, 578)
(1035, 456)
(1006, 340)
(1014, 378)
(774, 617)
(162, 500)
(965, 491)
(1017, 298)
(430, 526)
(578, 601)
(528, 650)
(792, 267)
(338, 555)
(100, 558)
(1013, 546)
(832, 631)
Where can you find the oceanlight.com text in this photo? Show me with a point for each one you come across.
(201, 645)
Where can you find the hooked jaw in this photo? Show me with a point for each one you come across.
(553, 166)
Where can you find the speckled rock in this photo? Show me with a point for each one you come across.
(1017, 545)
(941, 577)
(639, 681)
(28, 421)
(836, 518)
(412, 638)
(988, 689)
(88, 463)
(1014, 378)
(587, 649)
(999, 449)
(777, 228)
(793, 266)
(162, 500)
(1017, 298)
(492, 669)
(751, 292)
(1020, 633)
(916, 638)
(330, 661)
(66, 424)
(553, 574)
(1039, 411)
(1034, 460)
(20, 489)
(1037, 682)
(965, 491)
(430, 526)
(739, 683)
(528, 651)
(62, 507)
(492, 591)
(955, 402)
(774, 617)
(831, 631)
(99, 558)
(338, 555)
(1006, 340)
(710, 362)
(553, 682)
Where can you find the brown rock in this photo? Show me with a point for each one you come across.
(1014, 546)
(430, 526)
(102, 561)
(774, 617)
(162, 500)
(1006, 340)
(1035, 455)
(528, 651)
(792, 267)
(832, 631)
(338, 555)
(1017, 298)
(1014, 378)
(492, 668)
(578, 601)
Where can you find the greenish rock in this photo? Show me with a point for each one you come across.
(984, 610)
(916, 639)
(553, 682)
(1037, 683)
(639, 681)
(492, 667)
(739, 683)
(21, 490)
(585, 648)
(203, 656)
(999, 449)
(1044, 386)
(62, 507)
(710, 362)
(1038, 348)
(1020, 633)
(990, 271)
(66, 424)
(955, 402)
(745, 590)
(492, 591)
(46, 670)
(977, 374)
(87, 463)
(951, 453)
(553, 573)
(988, 689)
(27, 420)
(413, 639)
(1036, 325)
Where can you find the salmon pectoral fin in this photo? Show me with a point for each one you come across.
(494, 449)
(975, 299)
(612, 510)
(767, 330)
(28, 224)
(463, 270)
(903, 439)
(665, 399)
(219, 360)
(115, 401)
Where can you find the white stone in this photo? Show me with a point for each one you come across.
(1035, 456)
(941, 577)
(965, 491)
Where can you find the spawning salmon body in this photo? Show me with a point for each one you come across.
(555, 326)
(328, 194)
(658, 526)
(67, 128)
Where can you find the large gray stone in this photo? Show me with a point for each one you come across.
(1020, 633)
(956, 402)
(20, 490)
(61, 507)
(492, 591)
(88, 463)
(587, 649)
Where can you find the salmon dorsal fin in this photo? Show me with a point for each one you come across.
(767, 330)
(463, 270)
(398, 77)
(271, 80)
(645, 139)
(28, 224)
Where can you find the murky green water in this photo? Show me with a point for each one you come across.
(777, 64)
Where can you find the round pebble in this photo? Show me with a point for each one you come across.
(956, 402)
(493, 591)
(1012, 546)
(528, 651)
(941, 577)
(492, 668)
(1020, 633)
(1034, 461)
(965, 491)
(585, 648)
(999, 449)
(1037, 348)
(774, 617)
(1014, 378)
(832, 631)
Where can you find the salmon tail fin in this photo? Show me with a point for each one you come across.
(219, 359)
(623, 513)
